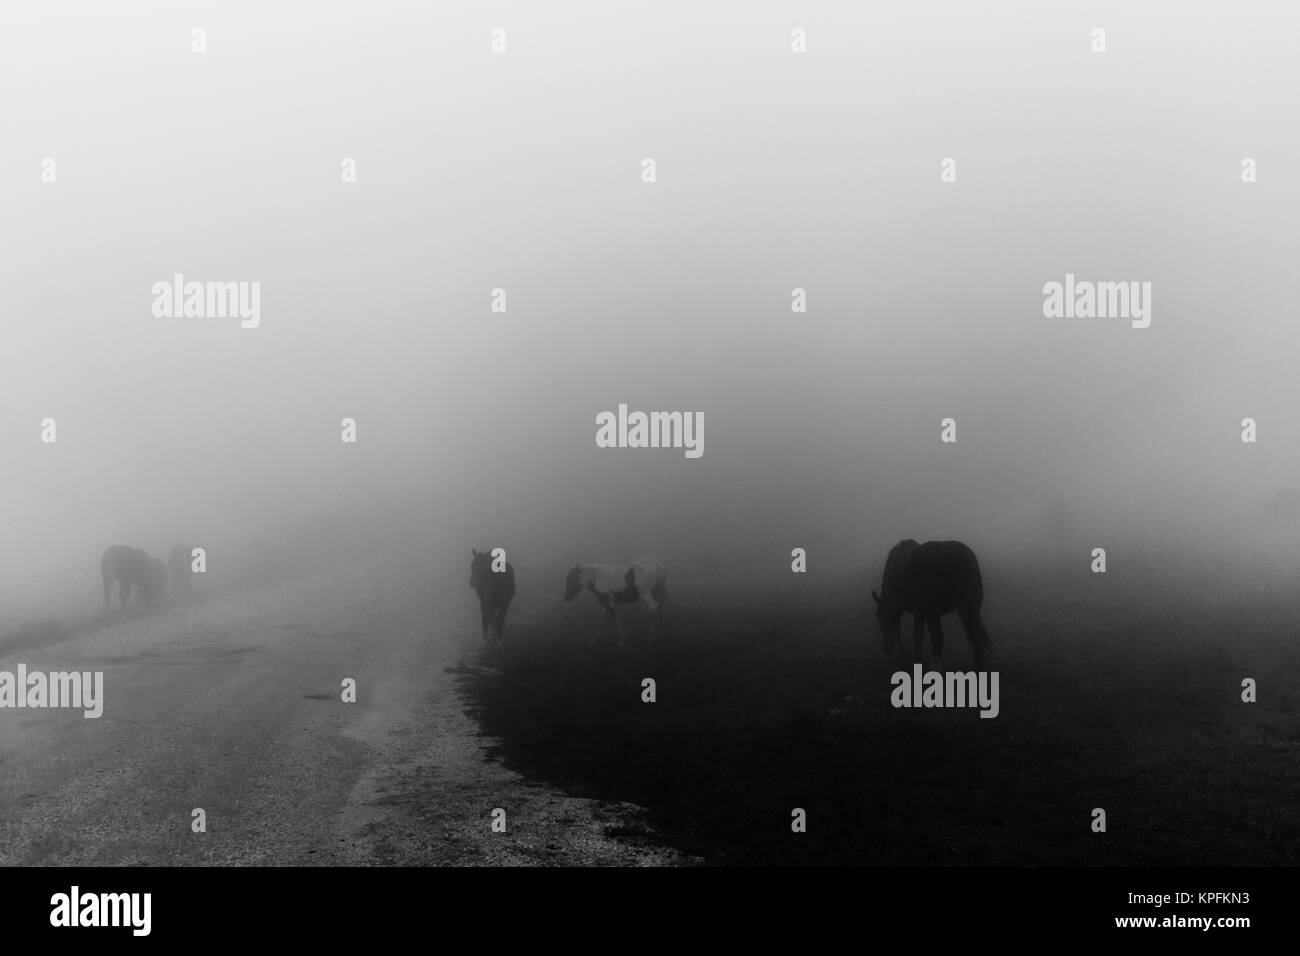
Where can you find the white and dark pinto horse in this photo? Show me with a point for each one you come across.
(928, 581)
(642, 580)
(495, 591)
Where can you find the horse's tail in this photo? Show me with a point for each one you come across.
(969, 610)
(971, 620)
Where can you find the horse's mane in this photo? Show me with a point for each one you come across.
(891, 579)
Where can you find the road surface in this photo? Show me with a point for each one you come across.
(233, 704)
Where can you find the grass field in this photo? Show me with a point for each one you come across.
(764, 709)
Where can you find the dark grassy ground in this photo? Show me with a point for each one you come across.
(763, 709)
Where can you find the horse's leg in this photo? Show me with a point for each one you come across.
(608, 605)
(655, 599)
(657, 615)
(936, 642)
(978, 637)
(501, 626)
(607, 602)
(918, 636)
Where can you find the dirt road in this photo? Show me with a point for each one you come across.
(233, 705)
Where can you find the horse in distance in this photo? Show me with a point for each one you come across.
(140, 579)
(495, 591)
(644, 579)
(928, 581)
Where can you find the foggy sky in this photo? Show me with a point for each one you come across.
(522, 171)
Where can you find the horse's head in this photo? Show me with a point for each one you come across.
(479, 568)
(890, 618)
(573, 583)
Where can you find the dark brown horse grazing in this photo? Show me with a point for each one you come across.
(928, 581)
(495, 591)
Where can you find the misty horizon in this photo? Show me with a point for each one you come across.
(479, 428)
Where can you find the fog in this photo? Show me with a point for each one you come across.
(523, 171)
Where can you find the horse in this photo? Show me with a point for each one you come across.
(495, 591)
(928, 581)
(644, 579)
(132, 569)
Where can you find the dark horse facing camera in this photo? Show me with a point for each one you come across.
(134, 573)
(495, 591)
(928, 581)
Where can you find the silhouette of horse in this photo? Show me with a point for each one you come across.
(644, 579)
(495, 591)
(928, 581)
(132, 570)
